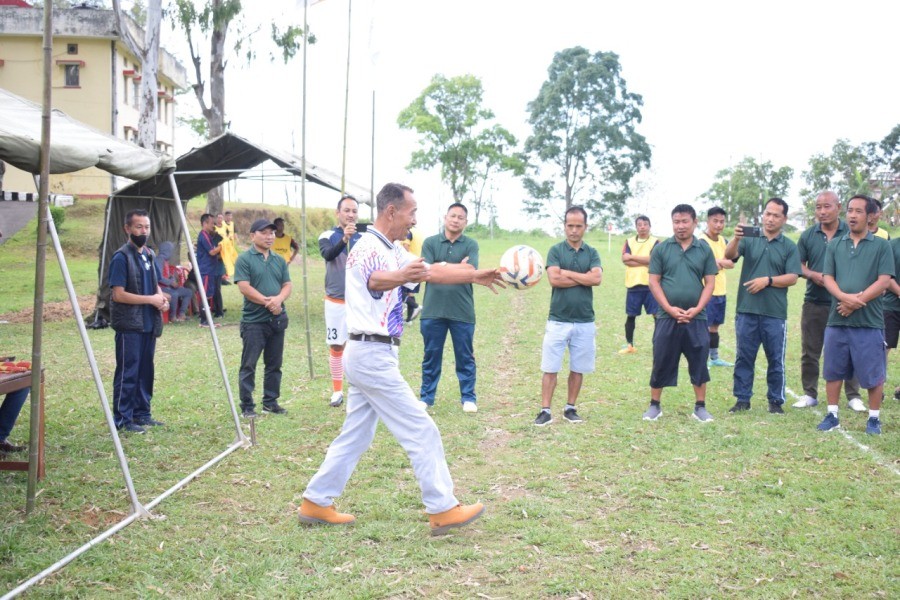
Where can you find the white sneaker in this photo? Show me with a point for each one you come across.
(424, 404)
(470, 407)
(857, 405)
(805, 402)
(337, 399)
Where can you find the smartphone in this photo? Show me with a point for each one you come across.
(751, 231)
(362, 227)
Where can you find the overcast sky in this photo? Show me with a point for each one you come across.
(777, 81)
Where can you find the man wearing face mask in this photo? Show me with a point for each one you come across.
(135, 308)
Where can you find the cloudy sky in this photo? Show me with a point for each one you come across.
(777, 81)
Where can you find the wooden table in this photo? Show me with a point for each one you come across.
(10, 382)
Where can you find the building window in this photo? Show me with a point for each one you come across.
(73, 75)
(71, 48)
(136, 88)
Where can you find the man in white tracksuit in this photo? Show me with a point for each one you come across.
(379, 275)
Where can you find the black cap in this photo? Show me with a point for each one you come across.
(260, 224)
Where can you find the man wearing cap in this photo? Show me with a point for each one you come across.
(262, 277)
(378, 274)
(334, 246)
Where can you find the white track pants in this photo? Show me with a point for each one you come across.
(378, 391)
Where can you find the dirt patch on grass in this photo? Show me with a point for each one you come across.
(53, 311)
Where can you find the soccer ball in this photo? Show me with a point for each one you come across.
(521, 267)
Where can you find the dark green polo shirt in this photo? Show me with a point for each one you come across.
(681, 273)
(812, 252)
(764, 258)
(855, 269)
(449, 301)
(574, 304)
(891, 301)
(266, 276)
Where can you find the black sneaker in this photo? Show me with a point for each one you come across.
(739, 407)
(151, 422)
(275, 409)
(133, 428)
(249, 413)
(775, 409)
(571, 416)
(544, 418)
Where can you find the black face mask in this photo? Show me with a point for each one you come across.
(138, 240)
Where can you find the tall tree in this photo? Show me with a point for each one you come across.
(584, 123)
(149, 105)
(846, 171)
(214, 18)
(453, 126)
(743, 189)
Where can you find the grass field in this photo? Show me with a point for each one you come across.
(751, 505)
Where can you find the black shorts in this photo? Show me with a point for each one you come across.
(671, 340)
(891, 328)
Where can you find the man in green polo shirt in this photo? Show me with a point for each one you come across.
(262, 277)
(858, 269)
(573, 269)
(449, 307)
(771, 265)
(682, 279)
(817, 302)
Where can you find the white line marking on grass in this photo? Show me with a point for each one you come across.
(880, 460)
(877, 457)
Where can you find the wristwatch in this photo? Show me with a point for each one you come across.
(770, 281)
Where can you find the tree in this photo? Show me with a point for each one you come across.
(214, 18)
(743, 189)
(846, 171)
(453, 125)
(584, 121)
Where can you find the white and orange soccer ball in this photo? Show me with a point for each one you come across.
(521, 267)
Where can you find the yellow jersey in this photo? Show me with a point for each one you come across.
(282, 247)
(718, 249)
(635, 247)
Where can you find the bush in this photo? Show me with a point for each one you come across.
(59, 216)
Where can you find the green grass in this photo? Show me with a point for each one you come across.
(747, 506)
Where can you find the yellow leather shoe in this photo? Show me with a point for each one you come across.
(457, 516)
(313, 514)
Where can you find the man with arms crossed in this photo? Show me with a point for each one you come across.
(636, 257)
(378, 273)
(449, 308)
(715, 310)
(771, 265)
(817, 302)
(858, 269)
(682, 278)
(573, 269)
(334, 245)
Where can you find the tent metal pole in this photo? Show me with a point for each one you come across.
(136, 507)
(37, 324)
(118, 526)
(303, 197)
(239, 433)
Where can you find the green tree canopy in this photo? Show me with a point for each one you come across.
(584, 123)
(454, 131)
(743, 189)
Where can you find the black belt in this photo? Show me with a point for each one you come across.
(371, 337)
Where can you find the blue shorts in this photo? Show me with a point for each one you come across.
(854, 352)
(715, 310)
(640, 297)
(671, 340)
(580, 339)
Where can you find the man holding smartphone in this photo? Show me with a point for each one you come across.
(771, 265)
(334, 245)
